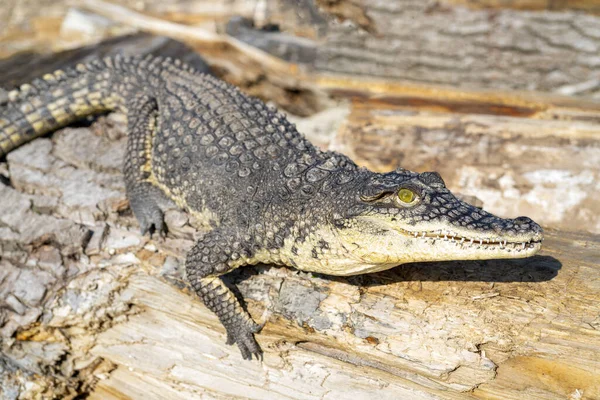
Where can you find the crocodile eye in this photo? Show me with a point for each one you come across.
(406, 196)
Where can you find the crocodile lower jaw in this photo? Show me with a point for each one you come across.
(530, 246)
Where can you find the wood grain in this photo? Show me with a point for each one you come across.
(93, 307)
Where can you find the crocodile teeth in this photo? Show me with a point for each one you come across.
(416, 234)
(471, 241)
(523, 245)
(422, 234)
(480, 242)
(462, 240)
(505, 243)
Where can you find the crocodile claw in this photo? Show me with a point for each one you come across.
(243, 335)
(152, 222)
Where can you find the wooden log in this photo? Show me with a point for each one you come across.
(93, 307)
(419, 41)
(436, 43)
(592, 6)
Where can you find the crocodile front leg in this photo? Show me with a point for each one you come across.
(144, 196)
(215, 254)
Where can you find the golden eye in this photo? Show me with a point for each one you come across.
(406, 195)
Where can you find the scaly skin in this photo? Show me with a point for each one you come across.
(271, 195)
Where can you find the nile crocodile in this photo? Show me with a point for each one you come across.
(271, 196)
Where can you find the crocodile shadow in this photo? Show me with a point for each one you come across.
(519, 270)
(532, 269)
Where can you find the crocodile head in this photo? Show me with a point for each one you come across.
(403, 216)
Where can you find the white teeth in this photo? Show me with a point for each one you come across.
(445, 237)
(422, 234)
(523, 245)
(416, 234)
(462, 240)
(471, 241)
(505, 243)
(480, 242)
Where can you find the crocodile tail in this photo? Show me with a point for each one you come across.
(61, 98)
(54, 101)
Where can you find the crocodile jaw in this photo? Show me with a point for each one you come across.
(461, 244)
(381, 245)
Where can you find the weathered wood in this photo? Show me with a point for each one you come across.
(422, 41)
(428, 42)
(502, 49)
(84, 293)
(88, 306)
(235, 61)
(297, 89)
(592, 6)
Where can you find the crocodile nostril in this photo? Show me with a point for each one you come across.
(523, 220)
(528, 224)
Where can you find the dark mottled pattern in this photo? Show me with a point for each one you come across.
(201, 142)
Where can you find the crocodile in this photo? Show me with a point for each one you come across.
(269, 194)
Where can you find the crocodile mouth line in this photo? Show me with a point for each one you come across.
(485, 243)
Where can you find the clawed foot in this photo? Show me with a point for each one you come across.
(150, 217)
(144, 200)
(153, 223)
(243, 335)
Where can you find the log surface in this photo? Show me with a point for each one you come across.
(442, 42)
(88, 307)
(91, 306)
